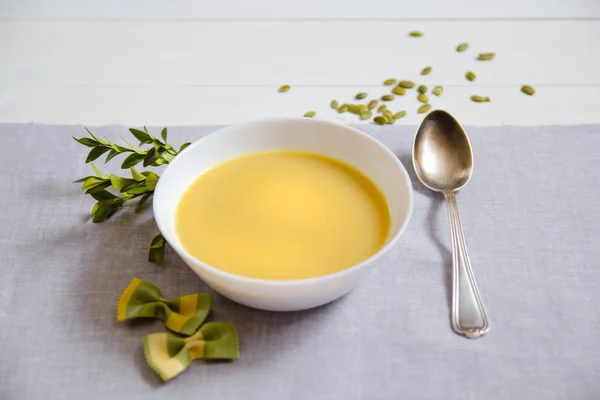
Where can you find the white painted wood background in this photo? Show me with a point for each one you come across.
(187, 62)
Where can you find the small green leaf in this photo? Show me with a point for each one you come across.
(117, 182)
(87, 141)
(92, 182)
(150, 157)
(96, 137)
(142, 136)
(130, 184)
(103, 195)
(95, 153)
(139, 188)
(99, 173)
(132, 160)
(163, 134)
(134, 148)
(104, 210)
(111, 154)
(140, 204)
(99, 187)
(156, 250)
(136, 175)
(85, 178)
(157, 242)
(151, 180)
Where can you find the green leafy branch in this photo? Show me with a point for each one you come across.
(112, 192)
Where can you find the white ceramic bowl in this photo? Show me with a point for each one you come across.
(341, 142)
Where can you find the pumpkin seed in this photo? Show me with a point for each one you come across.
(426, 70)
(360, 96)
(354, 109)
(422, 89)
(424, 108)
(388, 114)
(382, 108)
(528, 90)
(334, 104)
(365, 115)
(372, 104)
(462, 47)
(343, 108)
(284, 88)
(415, 34)
(389, 121)
(406, 84)
(399, 114)
(423, 98)
(380, 120)
(389, 82)
(480, 99)
(470, 76)
(399, 90)
(438, 90)
(310, 114)
(388, 97)
(486, 56)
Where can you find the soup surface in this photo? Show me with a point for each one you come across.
(282, 215)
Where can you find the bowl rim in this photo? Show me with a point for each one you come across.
(178, 247)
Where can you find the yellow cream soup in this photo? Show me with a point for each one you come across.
(282, 215)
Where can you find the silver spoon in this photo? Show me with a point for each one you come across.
(443, 161)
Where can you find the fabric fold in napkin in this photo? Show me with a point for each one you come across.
(169, 355)
(183, 314)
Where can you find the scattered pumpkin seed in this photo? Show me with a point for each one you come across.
(388, 114)
(380, 120)
(480, 99)
(389, 82)
(399, 114)
(462, 47)
(426, 70)
(354, 109)
(310, 114)
(486, 56)
(470, 76)
(388, 97)
(372, 104)
(366, 115)
(438, 90)
(423, 98)
(399, 90)
(390, 120)
(382, 108)
(406, 84)
(424, 108)
(360, 96)
(422, 89)
(416, 34)
(528, 90)
(284, 88)
(343, 108)
(334, 104)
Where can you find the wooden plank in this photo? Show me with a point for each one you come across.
(306, 9)
(314, 54)
(227, 105)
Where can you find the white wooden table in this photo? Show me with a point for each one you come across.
(218, 62)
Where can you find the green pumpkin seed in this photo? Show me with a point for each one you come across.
(399, 114)
(372, 104)
(389, 82)
(422, 89)
(423, 98)
(366, 115)
(470, 76)
(438, 90)
(382, 108)
(399, 90)
(424, 108)
(415, 34)
(388, 97)
(480, 99)
(284, 88)
(462, 47)
(335, 105)
(426, 70)
(486, 56)
(389, 121)
(406, 84)
(354, 109)
(360, 96)
(528, 90)
(380, 120)
(343, 108)
(388, 114)
(310, 114)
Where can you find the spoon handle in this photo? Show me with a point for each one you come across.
(468, 315)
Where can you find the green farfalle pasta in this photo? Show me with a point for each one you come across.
(183, 314)
(169, 355)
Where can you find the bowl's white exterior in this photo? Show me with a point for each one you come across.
(338, 141)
